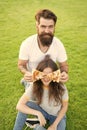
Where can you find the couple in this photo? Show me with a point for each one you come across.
(32, 52)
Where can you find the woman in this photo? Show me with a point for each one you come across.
(46, 99)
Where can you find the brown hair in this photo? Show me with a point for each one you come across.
(47, 14)
(55, 89)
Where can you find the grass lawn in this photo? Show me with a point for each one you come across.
(17, 23)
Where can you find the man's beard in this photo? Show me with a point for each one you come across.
(46, 38)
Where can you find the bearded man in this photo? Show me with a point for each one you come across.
(35, 47)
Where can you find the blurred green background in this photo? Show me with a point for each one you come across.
(17, 22)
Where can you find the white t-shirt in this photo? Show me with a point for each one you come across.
(50, 107)
(30, 50)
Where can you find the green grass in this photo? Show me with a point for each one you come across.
(17, 23)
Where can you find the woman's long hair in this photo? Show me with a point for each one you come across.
(56, 90)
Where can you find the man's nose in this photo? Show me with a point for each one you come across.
(47, 30)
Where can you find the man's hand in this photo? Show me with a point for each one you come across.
(28, 77)
(64, 72)
(64, 77)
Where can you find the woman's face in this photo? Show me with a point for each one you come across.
(46, 80)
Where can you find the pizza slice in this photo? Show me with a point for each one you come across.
(55, 76)
(37, 75)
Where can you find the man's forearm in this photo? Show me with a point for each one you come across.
(64, 67)
(22, 69)
(22, 66)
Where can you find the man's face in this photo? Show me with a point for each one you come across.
(45, 30)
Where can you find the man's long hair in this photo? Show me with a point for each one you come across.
(56, 90)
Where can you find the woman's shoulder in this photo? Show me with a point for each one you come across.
(29, 90)
(65, 94)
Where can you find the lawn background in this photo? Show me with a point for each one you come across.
(16, 24)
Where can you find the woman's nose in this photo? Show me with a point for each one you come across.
(47, 78)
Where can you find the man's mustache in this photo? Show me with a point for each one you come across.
(49, 34)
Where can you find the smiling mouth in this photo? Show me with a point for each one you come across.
(46, 81)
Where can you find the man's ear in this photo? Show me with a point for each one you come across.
(37, 25)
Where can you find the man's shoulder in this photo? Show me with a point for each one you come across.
(32, 37)
(29, 40)
(57, 42)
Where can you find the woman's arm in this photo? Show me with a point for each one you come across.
(60, 115)
(21, 106)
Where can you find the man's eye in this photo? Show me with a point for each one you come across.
(43, 27)
(50, 27)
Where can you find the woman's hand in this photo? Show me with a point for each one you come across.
(41, 119)
(52, 127)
